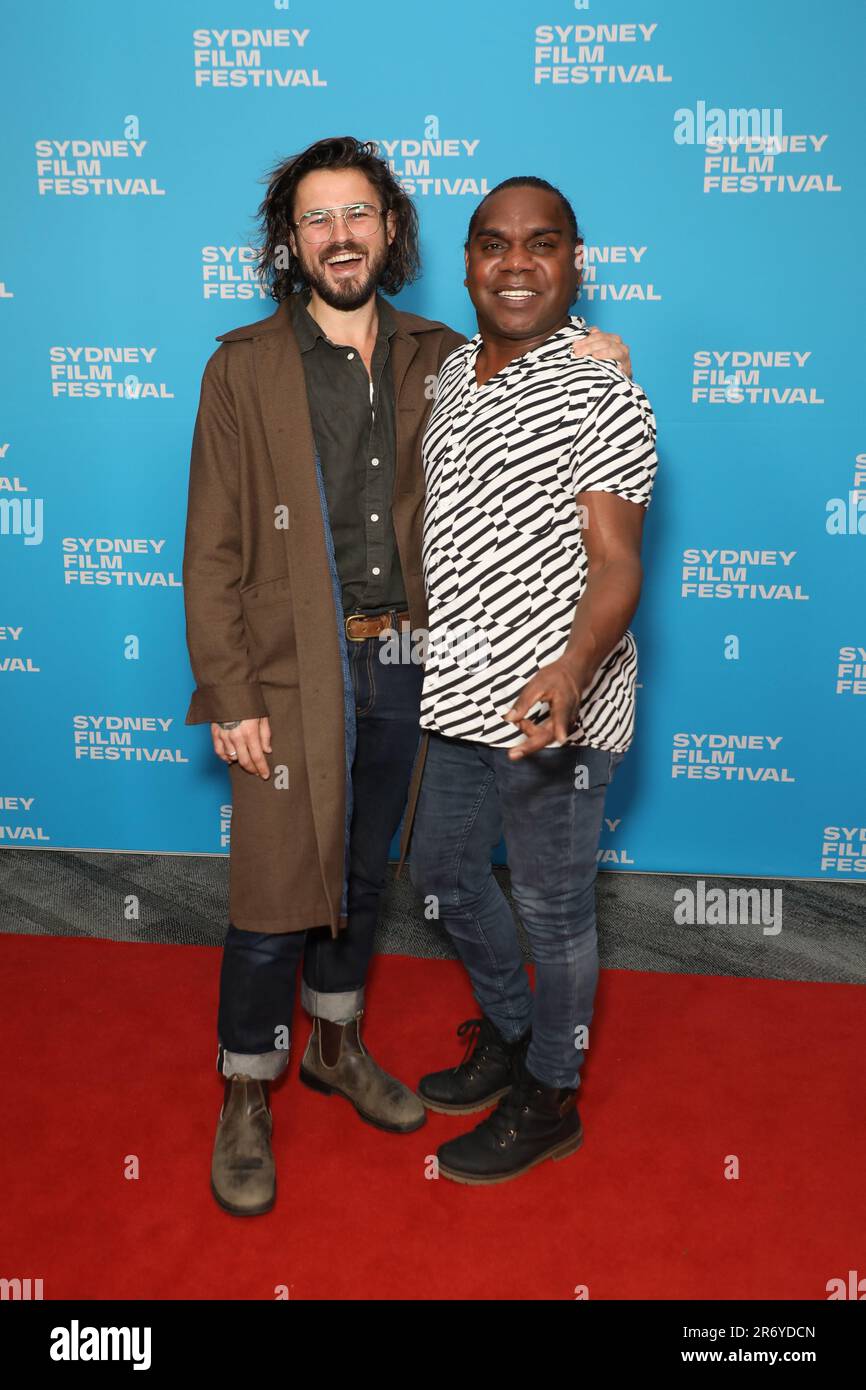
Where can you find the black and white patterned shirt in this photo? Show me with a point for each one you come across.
(503, 555)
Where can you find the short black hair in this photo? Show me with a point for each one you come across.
(527, 181)
(278, 267)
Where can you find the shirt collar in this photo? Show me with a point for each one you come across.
(575, 328)
(308, 331)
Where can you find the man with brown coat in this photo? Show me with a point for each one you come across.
(303, 545)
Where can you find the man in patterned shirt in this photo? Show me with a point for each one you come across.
(539, 467)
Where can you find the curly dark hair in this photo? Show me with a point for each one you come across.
(279, 268)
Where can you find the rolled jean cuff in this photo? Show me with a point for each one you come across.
(335, 1008)
(262, 1066)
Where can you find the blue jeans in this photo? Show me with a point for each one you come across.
(257, 982)
(551, 815)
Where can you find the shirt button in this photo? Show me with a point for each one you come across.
(375, 462)
(375, 569)
(374, 516)
(349, 356)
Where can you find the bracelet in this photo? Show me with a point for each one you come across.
(231, 724)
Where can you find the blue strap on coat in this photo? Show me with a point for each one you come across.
(350, 725)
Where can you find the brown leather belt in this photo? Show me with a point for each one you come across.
(360, 626)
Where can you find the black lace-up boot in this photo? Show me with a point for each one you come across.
(531, 1123)
(481, 1078)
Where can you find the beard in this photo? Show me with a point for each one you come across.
(355, 290)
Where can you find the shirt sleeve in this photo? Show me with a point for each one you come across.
(614, 448)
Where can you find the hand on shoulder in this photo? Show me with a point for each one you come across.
(606, 346)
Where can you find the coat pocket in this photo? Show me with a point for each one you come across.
(269, 621)
(267, 591)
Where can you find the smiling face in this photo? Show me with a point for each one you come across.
(520, 264)
(345, 270)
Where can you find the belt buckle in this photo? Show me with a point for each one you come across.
(348, 618)
(391, 615)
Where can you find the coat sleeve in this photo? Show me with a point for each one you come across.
(226, 682)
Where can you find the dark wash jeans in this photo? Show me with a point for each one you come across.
(470, 795)
(257, 982)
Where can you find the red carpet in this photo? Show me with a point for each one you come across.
(108, 1051)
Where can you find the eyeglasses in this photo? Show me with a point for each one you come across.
(361, 219)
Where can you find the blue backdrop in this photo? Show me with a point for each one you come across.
(135, 139)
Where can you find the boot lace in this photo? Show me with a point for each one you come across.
(504, 1122)
(476, 1045)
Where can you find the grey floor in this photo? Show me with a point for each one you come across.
(181, 899)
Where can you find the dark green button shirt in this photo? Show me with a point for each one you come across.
(356, 442)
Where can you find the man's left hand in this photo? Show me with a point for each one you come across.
(557, 684)
(604, 345)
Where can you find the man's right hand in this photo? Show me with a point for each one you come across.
(246, 745)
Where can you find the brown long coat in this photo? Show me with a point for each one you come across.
(260, 621)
